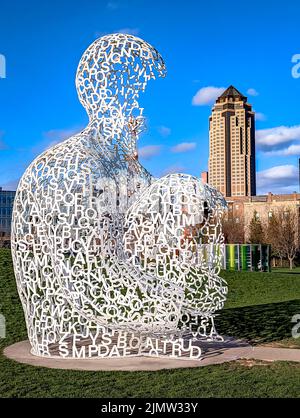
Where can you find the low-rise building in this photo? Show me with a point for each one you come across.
(241, 209)
(6, 208)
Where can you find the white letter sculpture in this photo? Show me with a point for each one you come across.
(110, 262)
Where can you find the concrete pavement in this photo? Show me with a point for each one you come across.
(213, 353)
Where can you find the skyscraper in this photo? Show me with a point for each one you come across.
(232, 145)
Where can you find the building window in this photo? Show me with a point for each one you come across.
(286, 214)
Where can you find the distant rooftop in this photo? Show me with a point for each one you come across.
(10, 191)
(270, 197)
(232, 92)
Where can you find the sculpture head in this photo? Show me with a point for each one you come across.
(112, 72)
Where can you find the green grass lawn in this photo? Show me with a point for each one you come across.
(247, 289)
(259, 308)
(295, 270)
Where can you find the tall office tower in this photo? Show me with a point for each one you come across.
(232, 145)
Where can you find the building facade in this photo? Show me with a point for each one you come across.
(242, 209)
(204, 177)
(6, 208)
(232, 145)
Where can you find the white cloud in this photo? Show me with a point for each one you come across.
(252, 92)
(207, 95)
(11, 185)
(112, 5)
(282, 178)
(277, 138)
(129, 31)
(61, 134)
(260, 116)
(149, 151)
(173, 169)
(164, 131)
(291, 150)
(53, 137)
(184, 147)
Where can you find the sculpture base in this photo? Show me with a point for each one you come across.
(213, 352)
(118, 344)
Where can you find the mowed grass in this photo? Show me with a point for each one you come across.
(245, 288)
(259, 308)
(295, 270)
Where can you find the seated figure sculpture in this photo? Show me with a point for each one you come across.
(108, 260)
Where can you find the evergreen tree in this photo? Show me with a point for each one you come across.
(256, 232)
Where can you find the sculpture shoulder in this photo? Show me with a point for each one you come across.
(69, 157)
(59, 153)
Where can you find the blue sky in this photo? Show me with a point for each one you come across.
(205, 47)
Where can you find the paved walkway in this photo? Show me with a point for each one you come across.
(275, 354)
(214, 353)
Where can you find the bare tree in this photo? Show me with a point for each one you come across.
(234, 232)
(289, 234)
(272, 232)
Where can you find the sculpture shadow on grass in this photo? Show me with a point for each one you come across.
(260, 323)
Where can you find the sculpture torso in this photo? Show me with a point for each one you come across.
(83, 219)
